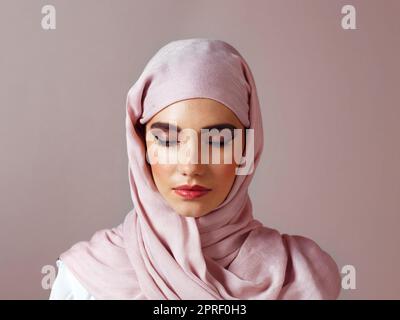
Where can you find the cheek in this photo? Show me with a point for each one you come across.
(224, 174)
(161, 175)
(161, 172)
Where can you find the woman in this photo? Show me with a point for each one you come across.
(202, 243)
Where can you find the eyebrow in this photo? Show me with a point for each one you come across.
(166, 126)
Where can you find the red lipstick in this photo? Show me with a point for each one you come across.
(191, 192)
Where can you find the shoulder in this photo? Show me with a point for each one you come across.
(309, 266)
(66, 286)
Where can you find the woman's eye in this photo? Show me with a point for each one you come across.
(165, 143)
(219, 143)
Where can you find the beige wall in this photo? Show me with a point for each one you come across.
(330, 100)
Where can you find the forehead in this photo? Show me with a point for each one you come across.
(196, 113)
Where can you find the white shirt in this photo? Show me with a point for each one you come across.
(67, 287)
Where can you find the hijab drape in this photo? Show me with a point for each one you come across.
(156, 253)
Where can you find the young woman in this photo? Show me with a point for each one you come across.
(191, 233)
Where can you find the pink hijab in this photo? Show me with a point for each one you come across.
(156, 253)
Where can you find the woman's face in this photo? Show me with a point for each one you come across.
(189, 117)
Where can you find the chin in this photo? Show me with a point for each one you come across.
(191, 212)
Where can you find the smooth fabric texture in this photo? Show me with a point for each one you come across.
(227, 254)
(67, 287)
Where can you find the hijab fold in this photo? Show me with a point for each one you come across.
(156, 253)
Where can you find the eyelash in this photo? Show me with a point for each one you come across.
(165, 143)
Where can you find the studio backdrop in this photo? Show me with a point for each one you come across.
(327, 75)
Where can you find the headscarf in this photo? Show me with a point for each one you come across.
(156, 253)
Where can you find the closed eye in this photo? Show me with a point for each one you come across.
(165, 143)
(168, 143)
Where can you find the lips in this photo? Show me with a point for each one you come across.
(195, 187)
(191, 192)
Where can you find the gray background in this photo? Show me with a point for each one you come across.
(330, 101)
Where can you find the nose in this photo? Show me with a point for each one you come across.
(190, 160)
(191, 169)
